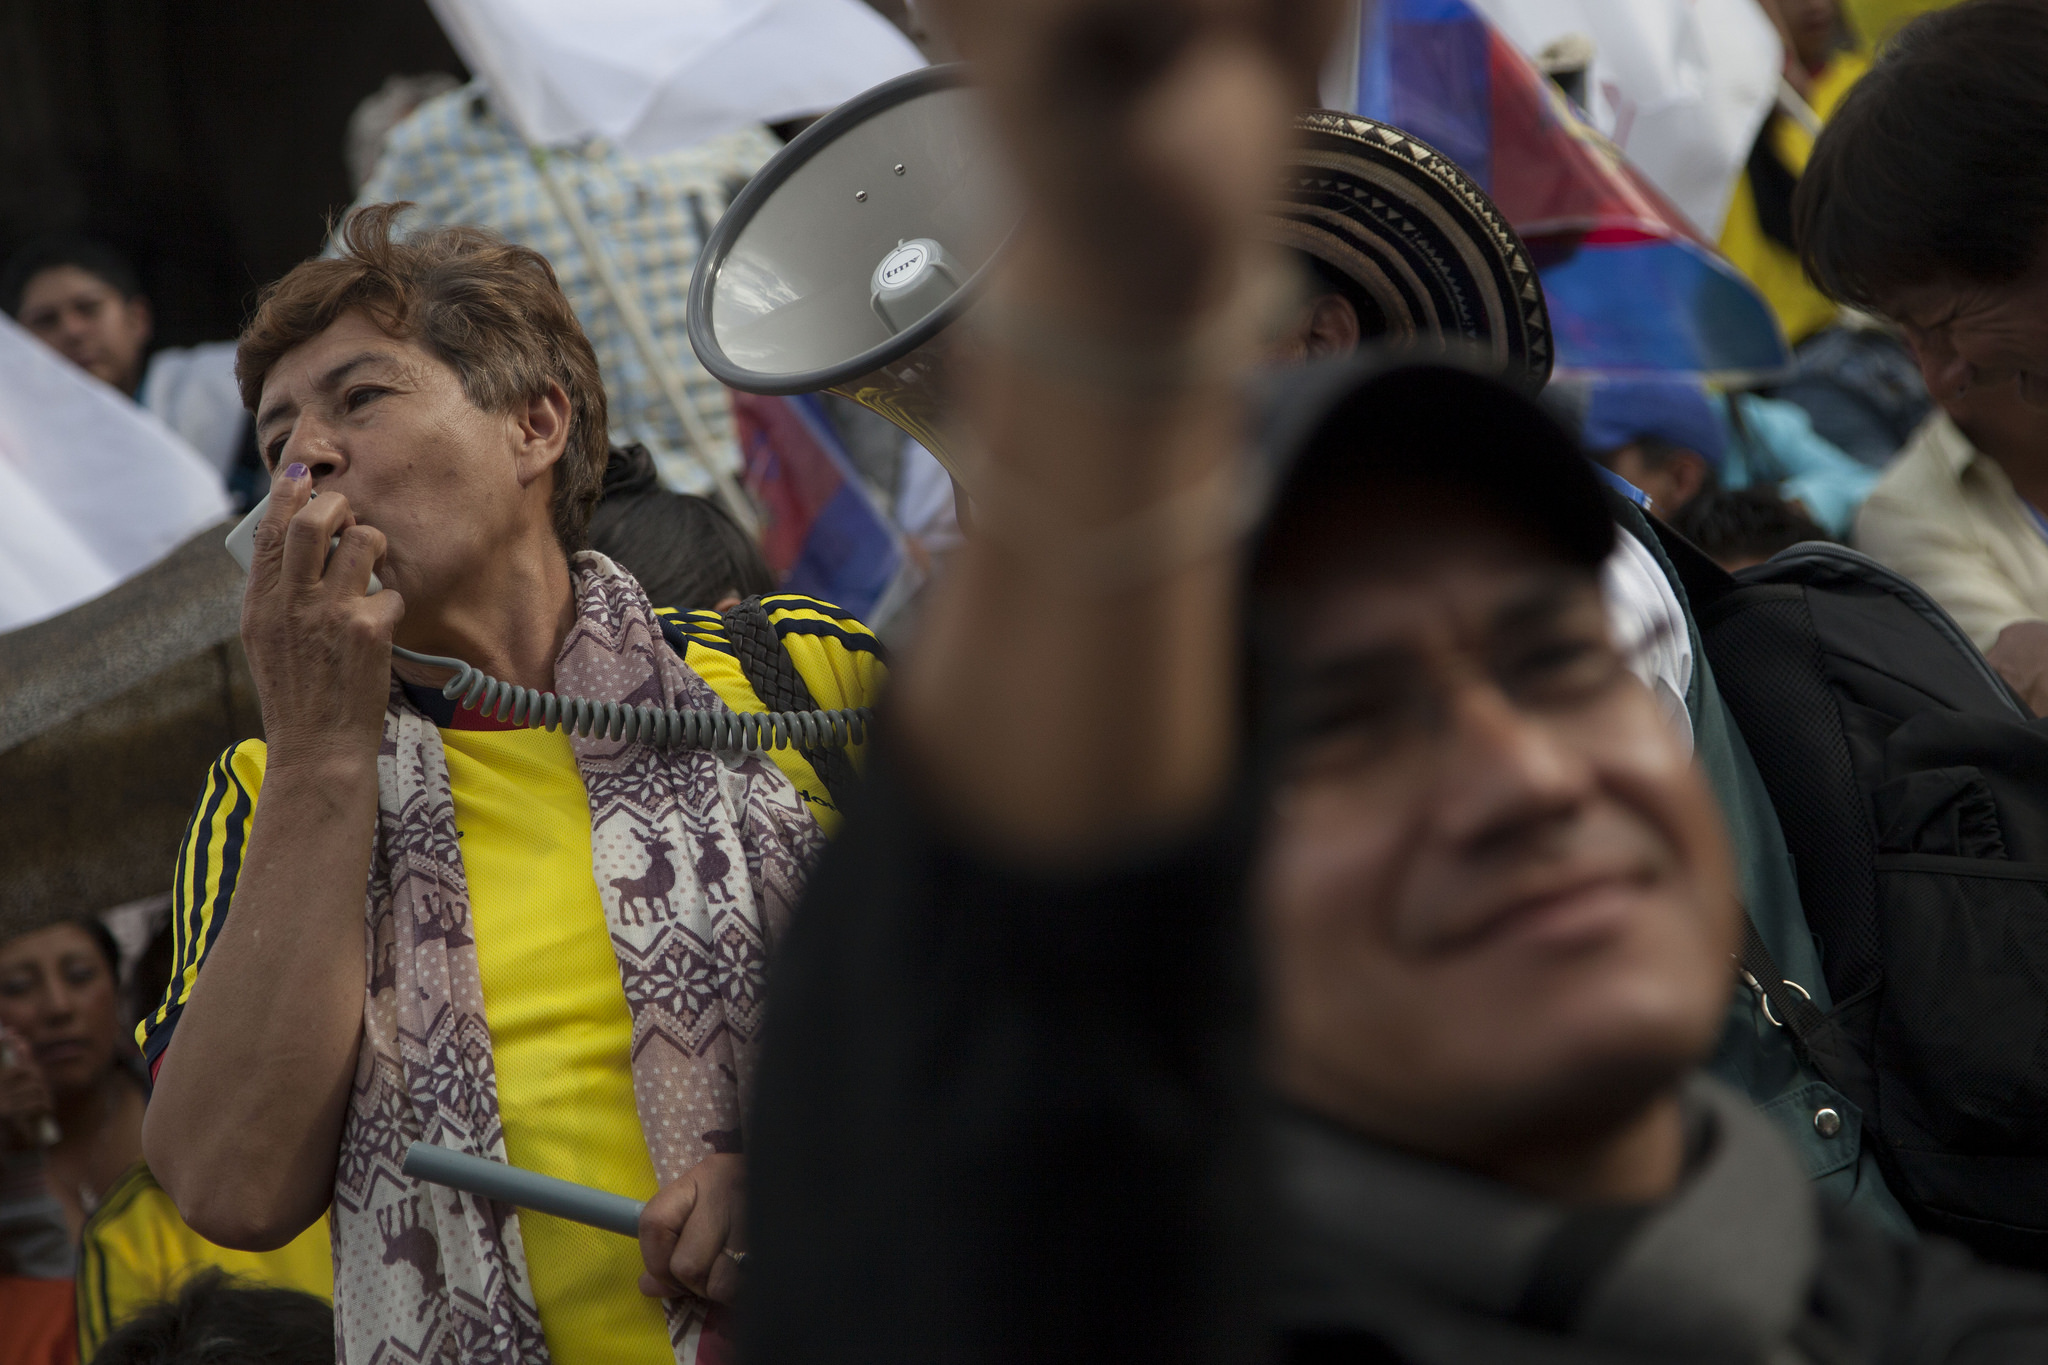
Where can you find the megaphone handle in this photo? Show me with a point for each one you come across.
(527, 1189)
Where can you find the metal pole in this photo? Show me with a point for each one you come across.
(527, 1189)
(656, 359)
(1794, 106)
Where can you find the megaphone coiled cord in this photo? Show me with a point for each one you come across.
(660, 726)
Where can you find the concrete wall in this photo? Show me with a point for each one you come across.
(94, 809)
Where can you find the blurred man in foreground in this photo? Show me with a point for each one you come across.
(1927, 202)
(1497, 910)
(1398, 242)
(1008, 1109)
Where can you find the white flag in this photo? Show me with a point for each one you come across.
(93, 489)
(1681, 86)
(653, 76)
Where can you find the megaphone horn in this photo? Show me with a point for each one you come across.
(843, 264)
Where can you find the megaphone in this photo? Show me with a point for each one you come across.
(843, 263)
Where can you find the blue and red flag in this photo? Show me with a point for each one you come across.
(1631, 285)
(822, 535)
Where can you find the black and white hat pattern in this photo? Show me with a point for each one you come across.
(1425, 246)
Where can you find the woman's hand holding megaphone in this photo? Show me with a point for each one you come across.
(1144, 136)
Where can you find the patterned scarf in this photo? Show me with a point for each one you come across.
(698, 864)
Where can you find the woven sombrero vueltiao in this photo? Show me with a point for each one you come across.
(1418, 237)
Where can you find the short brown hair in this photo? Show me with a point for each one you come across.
(492, 311)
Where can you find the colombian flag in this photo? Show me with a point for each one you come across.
(822, 535)
(1631, 286)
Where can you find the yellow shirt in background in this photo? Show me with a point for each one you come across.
(836, 656)
(1876, 20)
(1772, 266)
(135, 1250)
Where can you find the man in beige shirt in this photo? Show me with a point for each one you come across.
(1926, 202)
(1947, 516)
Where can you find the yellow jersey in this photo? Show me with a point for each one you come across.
(1772, 266)
(561, 1031)
(135, 1250)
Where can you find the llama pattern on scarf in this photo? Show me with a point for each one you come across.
(698, 863)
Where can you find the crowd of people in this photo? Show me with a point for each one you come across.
(1389, 862)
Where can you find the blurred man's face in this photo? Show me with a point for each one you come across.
(1983, 351)
(84, 319)
(1496, 896)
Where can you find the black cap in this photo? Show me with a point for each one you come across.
(1441, 423)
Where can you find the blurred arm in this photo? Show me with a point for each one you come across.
(1114, 693)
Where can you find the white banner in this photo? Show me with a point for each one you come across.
(1681, 86)
(653, 76)
(93, 489)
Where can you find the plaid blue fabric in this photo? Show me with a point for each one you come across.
(462, 162)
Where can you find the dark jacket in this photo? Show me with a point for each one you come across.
(1006, 1116)
(1756, 1056)
(1387, 1256)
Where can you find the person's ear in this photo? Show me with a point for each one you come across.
(1942, 368)
(541, 428)
(1626, 462)
(1332, 328)
(1688, 472)
(141, 318)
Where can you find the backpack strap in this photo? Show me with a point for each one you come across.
(775, 680)
(1705, 581)
(1817, 1039)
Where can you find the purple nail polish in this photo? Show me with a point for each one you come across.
(295, 470)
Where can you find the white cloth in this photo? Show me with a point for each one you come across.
(93, 488)
(655, 76)
(1681, 86)
(1649, 626)
(192, 388)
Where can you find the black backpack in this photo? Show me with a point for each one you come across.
(1912, 786)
